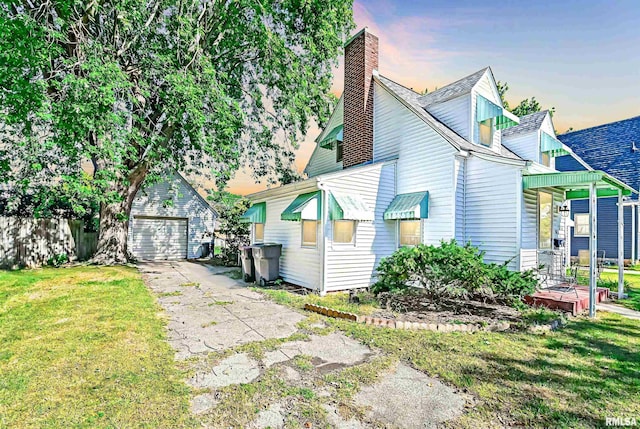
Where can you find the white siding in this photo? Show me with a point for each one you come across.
(526, 146)
(353, 265)
(460, 199)
(425, 162)
(184, 204)
(322, 161)
(455, 114)
(298, 265)
(493, 192)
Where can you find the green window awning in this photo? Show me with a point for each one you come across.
(486, 109)
(336, 134)
(576, 183)
(349, 207)
(305, 206)
(506, 120)
(551, 145)
(257, 213)
(408, 206)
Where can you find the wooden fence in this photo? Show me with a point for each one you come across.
(32, 242)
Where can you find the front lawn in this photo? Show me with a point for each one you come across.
(571, 378)
(633, 289)
(84, 347)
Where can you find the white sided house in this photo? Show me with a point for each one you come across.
(169, 220)
(396, 168)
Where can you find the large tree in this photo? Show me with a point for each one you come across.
(526, 106)
(133, 88)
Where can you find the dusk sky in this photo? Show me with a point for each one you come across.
(581, 57)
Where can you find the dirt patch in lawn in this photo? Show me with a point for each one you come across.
(415, 307)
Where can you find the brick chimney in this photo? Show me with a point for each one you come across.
(360, 60)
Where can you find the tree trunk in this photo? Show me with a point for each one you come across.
(114, 223)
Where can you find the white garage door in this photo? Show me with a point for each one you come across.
(159, 238)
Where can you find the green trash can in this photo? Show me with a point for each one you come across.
(266, 259)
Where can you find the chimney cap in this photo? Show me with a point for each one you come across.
(355, 36)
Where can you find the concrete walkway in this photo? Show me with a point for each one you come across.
(209, 314)
(623, 311)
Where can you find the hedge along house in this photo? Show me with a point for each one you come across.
(170, 220)
(396, 168)
(614, 148)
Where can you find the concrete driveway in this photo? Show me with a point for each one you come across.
(209, 312)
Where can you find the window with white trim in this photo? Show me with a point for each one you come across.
(344, 231)
(545, 159)
(545, 220)
(485, 132)
(309, 233)
(581, 225)
(258, 232)
(410, 232)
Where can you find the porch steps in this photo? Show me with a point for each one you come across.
(566, 300)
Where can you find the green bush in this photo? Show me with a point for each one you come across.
(452, 271)
(58, 260)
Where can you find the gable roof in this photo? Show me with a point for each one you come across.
(613, 148)
(528, 123)
(196, 193)
(412, 100)
(453, 90)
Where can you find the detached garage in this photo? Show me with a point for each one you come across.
(170, 220)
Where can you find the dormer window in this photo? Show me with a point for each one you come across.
(491, 117)
(339, 151)
(546, 159)
(486, 132)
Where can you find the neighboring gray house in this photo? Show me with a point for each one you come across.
(170, 220)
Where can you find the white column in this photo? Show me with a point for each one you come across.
(633, 234)
(593, 247)
(620, 245)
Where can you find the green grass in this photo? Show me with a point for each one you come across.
(84, 348)
(632, 288)
(570, 378)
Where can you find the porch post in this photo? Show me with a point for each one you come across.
(593, 247)
(633, 234)
(620, 245)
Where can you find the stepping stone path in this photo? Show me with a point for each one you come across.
(210, 312)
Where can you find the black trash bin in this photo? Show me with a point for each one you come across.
(266, 259)
(248, 269)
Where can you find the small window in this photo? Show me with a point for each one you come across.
(545, 220)
(546, 159)
(486, 131)
(581, 225)
(339, 151)
(309, 233)
(344, 231)
(409, 232)
(258, 232)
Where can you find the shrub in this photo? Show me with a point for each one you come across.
(452, 271)
(58, 260)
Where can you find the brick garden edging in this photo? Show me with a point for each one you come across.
(398, 324)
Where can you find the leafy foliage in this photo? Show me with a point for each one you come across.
(525, 107)
(451, 271)
(230, 207)
(130, 89)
